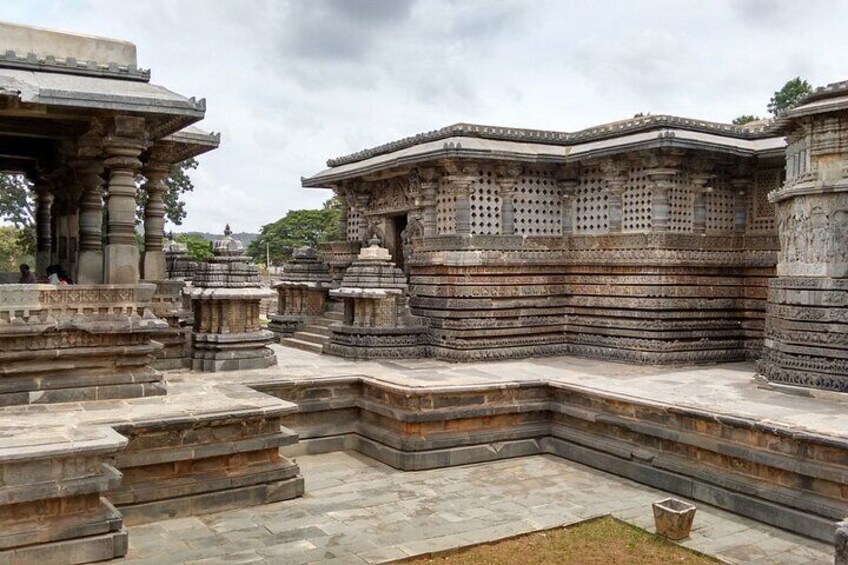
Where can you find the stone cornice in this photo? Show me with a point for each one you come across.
(605, 131)
(31, 62)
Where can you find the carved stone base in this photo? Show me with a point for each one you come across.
(284, 325)
(232, 352)
(353, 342)
(806, 336)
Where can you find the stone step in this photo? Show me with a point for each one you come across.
(319, 329)
(311, 337)
(324, 322)
(302, 345)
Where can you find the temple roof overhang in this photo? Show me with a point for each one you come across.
(463, 141)
(189, 142)
(830, 98)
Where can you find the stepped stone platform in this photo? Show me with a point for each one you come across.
(706, 433)
(74, 473)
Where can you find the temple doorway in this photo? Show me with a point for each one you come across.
(394, 238)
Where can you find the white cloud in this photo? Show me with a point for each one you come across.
(292, 83)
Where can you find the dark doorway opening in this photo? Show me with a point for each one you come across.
(396, 243)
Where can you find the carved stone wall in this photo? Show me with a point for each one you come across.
(538, 204)
(807, 325)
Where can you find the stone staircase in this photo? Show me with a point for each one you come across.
(316, 333)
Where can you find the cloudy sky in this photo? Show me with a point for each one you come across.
(290, 84)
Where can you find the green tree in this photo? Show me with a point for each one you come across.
(788, 96)
(297, 228)
(16, 204)
(745, 119)
(14, 248)
(199, 248)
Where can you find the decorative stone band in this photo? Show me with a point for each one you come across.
(97, 308)
(372, 293)
(12, 60)
(230, 293)
(311, 285)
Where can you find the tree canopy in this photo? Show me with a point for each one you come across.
(199, 248)
(296, 229)
(745, 119)
(789, 95)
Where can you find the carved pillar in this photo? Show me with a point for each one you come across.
(699, 203)
(429, 185)
(507, 179)
(741, 190)
(567, 182)
(122, 255)
(615, 176)
(361, 201)
(462, 208)
(343, 221)
(90, 260)
(660, 207)
(153, 262)
(43, 226)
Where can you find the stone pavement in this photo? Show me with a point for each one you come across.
(359, 511)
(723, 389)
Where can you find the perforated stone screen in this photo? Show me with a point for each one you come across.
(636, 202)
(485, 204)
(680, 199)
(719, 204)
(445, 211)
(591, 212)
(538, 206)
(761, 211)
(353, 217)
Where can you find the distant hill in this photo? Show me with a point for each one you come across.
(243, 237)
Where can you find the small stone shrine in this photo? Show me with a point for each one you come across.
(377, 320)
(178, 264)
(225, 299)
(806, 340)
(301, 292)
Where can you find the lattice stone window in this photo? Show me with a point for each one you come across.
(353, 216)
(719, 203)
(761, 211)
(445, 211)
(636, 202)
(591, 210)
(485, 204)
(538, 205)
(681, 206)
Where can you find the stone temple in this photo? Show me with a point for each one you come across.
(658, 304)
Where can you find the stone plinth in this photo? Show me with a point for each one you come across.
(51, 508)
(168, 304)
(806, 337)
(83, 342)
(225, 300)
(377, 318)
(301, 293)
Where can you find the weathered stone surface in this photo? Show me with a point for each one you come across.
(82, 342)
(226, 297)
(673, 518)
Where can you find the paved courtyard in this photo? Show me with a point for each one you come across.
(357, 511)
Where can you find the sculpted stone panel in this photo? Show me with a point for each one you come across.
(485, 204)
(814, 235)
(538, 205)
(591, 208)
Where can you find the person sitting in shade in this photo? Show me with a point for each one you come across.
(27, 277)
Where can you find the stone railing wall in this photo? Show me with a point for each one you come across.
(83, 342)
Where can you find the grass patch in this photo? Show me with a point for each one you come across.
(602, 541)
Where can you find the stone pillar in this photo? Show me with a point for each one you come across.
(841, 543)
(741, 190)
(699, 204)
(615, 176)
(462, 207)
(43, 228)
(567, 182)
(660, 206)
(507, 179)
(90, 259)
(361, 201)
(153, 261)
(429, 178)
(343, 221)
(122, 255)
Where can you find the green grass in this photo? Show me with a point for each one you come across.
(602, 541)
